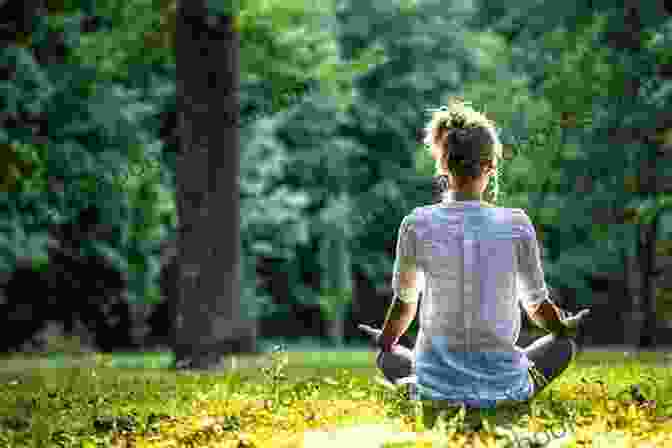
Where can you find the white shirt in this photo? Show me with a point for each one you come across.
(474, 264)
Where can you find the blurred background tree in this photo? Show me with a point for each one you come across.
(332, 101)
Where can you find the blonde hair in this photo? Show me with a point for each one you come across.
(460, 139)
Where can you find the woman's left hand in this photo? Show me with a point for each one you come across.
(386, 342)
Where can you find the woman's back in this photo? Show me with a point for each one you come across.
(478, 261)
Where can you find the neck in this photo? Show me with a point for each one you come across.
(466, 196)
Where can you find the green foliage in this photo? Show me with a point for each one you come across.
(137, 26)
(74, 135)
(334, 303)
(331, 98)
(102, 147)
(359, 165)
(565, 114)
(15, 240)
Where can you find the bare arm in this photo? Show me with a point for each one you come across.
(399, 318)
(404, 305)
(539, 307)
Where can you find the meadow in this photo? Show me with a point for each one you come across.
(292, 399)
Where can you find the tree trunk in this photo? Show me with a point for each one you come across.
(336, 282)
(650, 327)
(632, 310)
(335, 330)
(210, 322)
(629, 40)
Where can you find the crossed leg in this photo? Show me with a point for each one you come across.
(550, 356)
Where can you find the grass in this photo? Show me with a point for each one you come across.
(119, 401)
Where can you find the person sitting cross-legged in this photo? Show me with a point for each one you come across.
(474, 263)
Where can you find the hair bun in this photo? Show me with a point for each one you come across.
(470, 140)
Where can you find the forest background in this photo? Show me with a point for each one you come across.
(332, 99)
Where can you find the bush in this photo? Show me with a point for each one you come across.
(76, 287)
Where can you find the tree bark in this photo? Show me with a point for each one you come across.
(336, 282)
(335, 330)
(210, 321)
(648, 338)
(630, 40)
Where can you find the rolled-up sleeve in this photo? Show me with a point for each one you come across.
(532, 287)
(407, 279)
